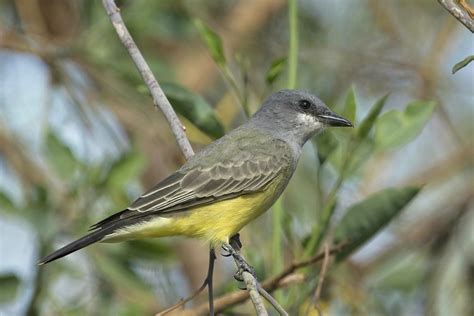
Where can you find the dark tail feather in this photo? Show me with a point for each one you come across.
(85, 241)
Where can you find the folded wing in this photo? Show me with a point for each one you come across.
(199, 186)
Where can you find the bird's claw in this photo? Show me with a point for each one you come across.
(244, 267)
(225, 254)
(238, 276)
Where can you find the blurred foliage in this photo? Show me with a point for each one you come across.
(396, 128)
(79, 140)
(194, 108)
(9, 284)
(276, 68)
(212, 41)
(463, 63)
(364, 219)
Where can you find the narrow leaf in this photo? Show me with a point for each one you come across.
(60, 156)
(350, 106)
(123, 170)
(120, 275)
(368, 122)
(463, 63)
(9, 284)
(212, 41)
(6, 204)
(395, 128)
(147, 249)
(276, 68)
(363, 220)
(326, 143)
(194, 108)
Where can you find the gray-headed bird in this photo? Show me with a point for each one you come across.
(227, 184)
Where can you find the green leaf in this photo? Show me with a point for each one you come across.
(212, 41)
(276, 68)
(147, 249)
(368, 122)
(117, 272)
(358, 157)
(350, 106)
(194, 108)
(395, 128)
(313, 241)
(403, 272)
(60, 156)
(124, 170)
(463, 63)
(326, 143)
(364, 219)
(9, 284)
(6, 203)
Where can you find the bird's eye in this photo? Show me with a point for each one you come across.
(304, 104)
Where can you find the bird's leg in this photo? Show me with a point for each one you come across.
(235, 242)
(233, 249)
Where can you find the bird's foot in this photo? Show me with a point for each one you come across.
(232, 249)
(243, 266)
(235, 245)
(235, 242)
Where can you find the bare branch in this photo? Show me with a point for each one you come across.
(252, 288)
(322, 274)
(159, 98)
(182, 302)
(270, 284)
(460, 10)
(272, 301)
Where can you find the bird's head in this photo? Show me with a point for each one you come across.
(297, 114)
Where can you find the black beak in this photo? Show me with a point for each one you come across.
(332, 119)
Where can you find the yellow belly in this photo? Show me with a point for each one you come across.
(216, 222)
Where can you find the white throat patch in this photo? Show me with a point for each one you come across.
(309, 120)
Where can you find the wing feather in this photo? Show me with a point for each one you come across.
(203, 185)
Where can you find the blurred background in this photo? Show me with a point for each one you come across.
(80, 139)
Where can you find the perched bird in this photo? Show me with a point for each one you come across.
(227, 184)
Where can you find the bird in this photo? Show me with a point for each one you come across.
(223, 187)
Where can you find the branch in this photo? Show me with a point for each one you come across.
(272, 301)
(319, 288)
(460, 10)
(159, 98)
(270, 284)
(322, 275)
(252, 288)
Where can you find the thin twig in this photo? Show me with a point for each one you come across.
(249, 279)
(159, 98)
(183, 301)
(252, 288)
(467, 8)
(272, 301)
(459, 13)
(322, 275)
(293, 47)
(208, 282)
(270, 284)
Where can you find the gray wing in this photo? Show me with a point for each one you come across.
(203, 185)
